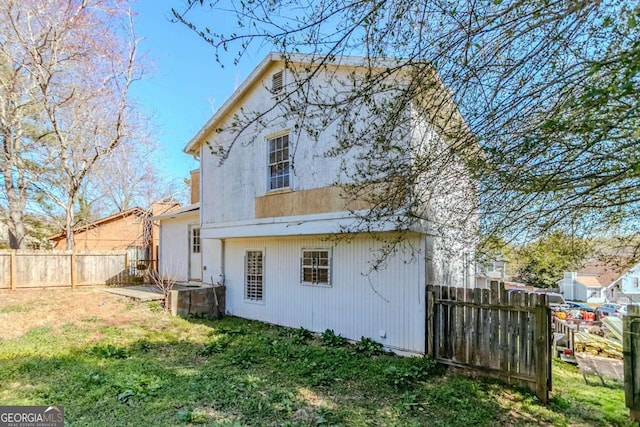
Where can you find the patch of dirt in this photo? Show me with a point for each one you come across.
(24, 309)
(314, 399)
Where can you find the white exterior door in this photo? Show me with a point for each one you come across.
(195, 255)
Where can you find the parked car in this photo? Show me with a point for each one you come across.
(556, 301)
(608, 309)
(580, 306)
(581, 310)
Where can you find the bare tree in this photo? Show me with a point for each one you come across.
(20, 133)
(549, 91)
(130, 177)
(165, 281)
(79, 58)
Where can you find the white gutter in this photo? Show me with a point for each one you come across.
(299, 225)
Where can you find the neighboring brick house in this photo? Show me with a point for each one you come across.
(130, 230)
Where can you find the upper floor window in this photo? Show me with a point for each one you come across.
(279, 162)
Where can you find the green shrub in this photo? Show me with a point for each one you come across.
(369, 347)
(109, 351)
(405, 377)
(300, 335)
(330, 339)
(213, 347)
(194, 416)
(136, 388)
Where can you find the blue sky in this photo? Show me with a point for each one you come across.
(184, 85)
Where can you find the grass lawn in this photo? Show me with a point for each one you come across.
(112, 362)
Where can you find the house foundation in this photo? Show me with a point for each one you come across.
(209, 301)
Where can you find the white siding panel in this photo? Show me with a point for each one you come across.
(174, 246)
(388, 302)
(580, 292)
(229, 189)
(212, 271)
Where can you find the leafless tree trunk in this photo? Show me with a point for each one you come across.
(79, 58)
(21, 156)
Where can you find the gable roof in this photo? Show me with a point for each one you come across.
(256, 75)
(273, 59)
(615, 282)
(589, 281)
(184, 211)
(606, 273)
(117, 216)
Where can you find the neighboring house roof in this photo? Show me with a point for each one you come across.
(133, 211)
(606, 273)
(589, 281)
(186, 210)
(617, 281)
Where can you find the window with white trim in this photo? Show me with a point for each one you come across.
(315, 267)
(195, 240)
(253, 275)
(279, 162)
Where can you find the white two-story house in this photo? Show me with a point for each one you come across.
(271, 211)
(626, 288)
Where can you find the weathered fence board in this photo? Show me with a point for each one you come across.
(5, 272)
(41, 269)
(502, 334)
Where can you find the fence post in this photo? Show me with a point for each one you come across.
(12, 270)
(631, 352)
(73, 270)
(429, 332)
(543, 359)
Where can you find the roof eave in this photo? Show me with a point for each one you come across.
(193, 147)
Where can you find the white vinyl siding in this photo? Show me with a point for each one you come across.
(386, 306)
(174, 246)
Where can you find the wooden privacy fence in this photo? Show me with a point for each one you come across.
(41, 269)
(498, 333)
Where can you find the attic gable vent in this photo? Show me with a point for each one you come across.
(276, 82)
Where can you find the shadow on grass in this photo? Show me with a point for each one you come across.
(237, 372)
